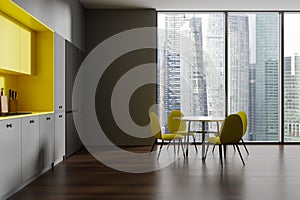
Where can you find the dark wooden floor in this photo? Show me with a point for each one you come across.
(271, 172)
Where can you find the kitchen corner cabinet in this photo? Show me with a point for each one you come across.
(10, 155)
(30, 147)
(59, 138)
(46, 140)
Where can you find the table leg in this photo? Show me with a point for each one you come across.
(203, 140)
(188, 136)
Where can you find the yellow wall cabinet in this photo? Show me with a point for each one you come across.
(16, 47)
(9, 44)
(26, 50)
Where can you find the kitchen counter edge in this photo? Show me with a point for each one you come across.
(32, 113)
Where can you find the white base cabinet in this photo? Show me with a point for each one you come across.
(30, 147)
(46, 141)
(10, 155)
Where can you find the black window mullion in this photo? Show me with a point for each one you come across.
(281, 24)
(226, 62)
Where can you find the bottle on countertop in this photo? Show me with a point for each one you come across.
(3, 102)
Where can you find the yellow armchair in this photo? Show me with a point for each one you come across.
(178, 126)
(156, 131)
(231, 133)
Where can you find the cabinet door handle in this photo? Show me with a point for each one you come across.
(60, 116)
(31, 121)
(48, 118)
(8, 125)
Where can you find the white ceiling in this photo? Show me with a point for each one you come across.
(194, 4)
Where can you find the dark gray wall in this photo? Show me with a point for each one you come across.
(100, 25)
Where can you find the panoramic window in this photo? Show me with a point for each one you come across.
(198, 76)
(191, 64)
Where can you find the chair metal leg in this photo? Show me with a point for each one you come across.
(169, 144)
(221, 155)
(174, 146)
(240, 154)
(195, 143)
(162, 142)
(153, 146)
(233, 146)
(225, 148)
(245, 146)
(181, 144)
(218, 135)
(206, 151)
(214, 148)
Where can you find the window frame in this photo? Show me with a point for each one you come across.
(280, 63)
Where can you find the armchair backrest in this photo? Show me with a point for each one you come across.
(232, 129)
(155, 125)
(243, 116)
(176, 125)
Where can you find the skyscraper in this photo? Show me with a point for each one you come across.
(192, 85)
(239, 54)
(267, 77)
(192, 79)
(214, 62)
(292, 98)
(238, 50)
(193, 93)
(251, 109)
(169, 65)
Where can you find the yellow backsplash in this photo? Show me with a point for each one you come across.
(8, 81)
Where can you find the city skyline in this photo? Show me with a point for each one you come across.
(193, 75)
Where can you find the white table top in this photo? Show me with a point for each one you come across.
(201, 118)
